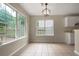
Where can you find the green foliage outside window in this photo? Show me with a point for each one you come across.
(8, 22)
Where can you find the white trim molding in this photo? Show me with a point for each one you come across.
(76, 52)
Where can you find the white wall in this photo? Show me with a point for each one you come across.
(58, 30)
(13, 47)
(71, 20)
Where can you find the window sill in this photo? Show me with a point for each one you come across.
(44, 35)
(5, 43)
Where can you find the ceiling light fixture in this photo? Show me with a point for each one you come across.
(45, 11)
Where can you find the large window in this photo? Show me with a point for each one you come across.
(12, 24)
(44, 28)
(21, 25)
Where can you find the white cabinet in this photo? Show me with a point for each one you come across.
(69, 38)
(70, 21)
(76, 36)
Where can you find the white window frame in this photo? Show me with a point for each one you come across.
(52, 34)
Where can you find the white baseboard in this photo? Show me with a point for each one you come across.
(76, 52)
(17, 50)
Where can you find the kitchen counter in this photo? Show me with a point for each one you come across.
(71, 29)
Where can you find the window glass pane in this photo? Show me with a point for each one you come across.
(40, 27)
(2, 22)
(49, 23)
(21, 25)
(49, 27)
(7, 23)
(11, 23)
(2, 12)
(41, 23)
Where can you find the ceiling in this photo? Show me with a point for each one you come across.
(56, 8)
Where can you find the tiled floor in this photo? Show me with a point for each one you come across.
(48, 49)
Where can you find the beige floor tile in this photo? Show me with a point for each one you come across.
(49, 49)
